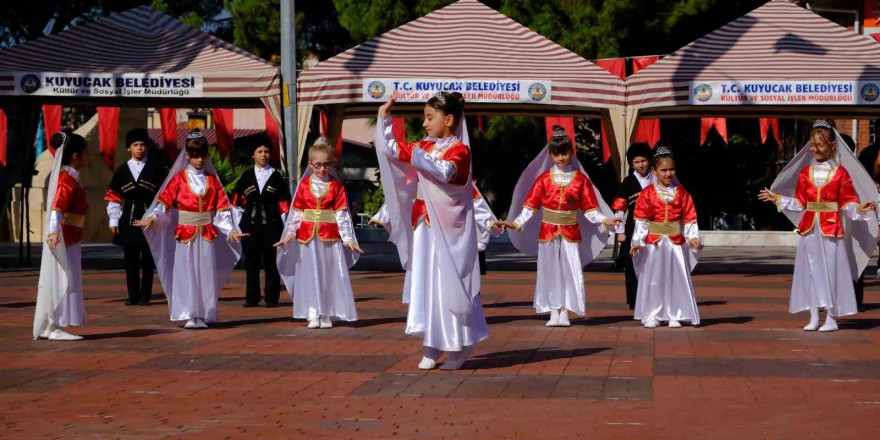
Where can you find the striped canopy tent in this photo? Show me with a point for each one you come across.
(136, 43)
(776, 44)
(463, 41)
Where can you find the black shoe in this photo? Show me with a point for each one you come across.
(144, 302)
(250, 304)
(128, 302)
(271, 305)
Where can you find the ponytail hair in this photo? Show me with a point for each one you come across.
(72, 143)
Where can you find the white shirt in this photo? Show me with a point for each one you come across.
(263, 175)
(136, 166)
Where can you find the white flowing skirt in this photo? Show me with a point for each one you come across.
(428, 316)
(322, 287)
(822, 276)
(665, 291)
(71, 311)
(560, 283)
(195, 287)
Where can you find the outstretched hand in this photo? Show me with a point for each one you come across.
(144, 223)
(385, 109)
(354, 248)
(696, 243)
(867, 207)
(284, 241)
(236, 236)
(765, 195)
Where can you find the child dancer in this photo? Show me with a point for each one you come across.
(639, 158)
(819, 190)
(665, 218)
(59, 295)
(429, 192)
(562, 194)
(133, 187)
(263, 201)
(326, 245)
(486, 228)
(192, 263)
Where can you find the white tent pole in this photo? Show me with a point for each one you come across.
(288, 90)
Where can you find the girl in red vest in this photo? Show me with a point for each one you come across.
(665, 248)
(59, 295)
(819, 190)
(325, 246)
(570, 231)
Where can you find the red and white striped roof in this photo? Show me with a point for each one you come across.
(463, 40)
(142, 40)
(777, 41)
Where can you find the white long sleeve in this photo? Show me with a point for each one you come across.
(524, 217)
(788, 204)
(442, 170)
(381, 216)
(114, 212)
(388, 133)
(852, 212)
(639, 233)
(595, 216)
(55, 221)
(159, 212)
(295, 222)
(691, 231)
(223, 221)
(346, 228)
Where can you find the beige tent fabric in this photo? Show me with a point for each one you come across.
(303, 120)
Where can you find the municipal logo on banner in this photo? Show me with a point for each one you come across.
(88, 84)
(784, 93)
(473, 90)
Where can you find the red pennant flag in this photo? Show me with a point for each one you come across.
(51, 123)
(2, 138)
(108, 134)
(648, 130)
(274, 134)
(168, 117)
(223, 123)
(566, 123)
(398, 128)
(766, 125)
(325, 123)
(480, 122)
(616, 66)
(706, 124)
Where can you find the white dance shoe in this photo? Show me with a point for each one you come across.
(61, 335)
(427, 363)
(563, 319)
(325, 322)
(811, 327)
(674, 324)
(554, 319)
(457, 358)
(191, 324)
(200, 323)
(315, 322)
(652, 323)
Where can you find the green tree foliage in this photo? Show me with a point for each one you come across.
(227, 171)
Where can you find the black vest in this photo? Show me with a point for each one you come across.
(629, 190)
(261, 209)
(136, 198)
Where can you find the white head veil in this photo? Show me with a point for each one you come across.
(162, 243)
(593, 238)
(453, 229)
(54, 267)
(861, 237)
(287, 257)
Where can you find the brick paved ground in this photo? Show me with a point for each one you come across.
(747, 372)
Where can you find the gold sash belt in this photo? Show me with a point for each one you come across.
(319, 216)
(73, 220)
(822, 206)
(664, 228)
(193, 218)
(561, 218)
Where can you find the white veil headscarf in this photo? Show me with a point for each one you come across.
(286, 257)
(162, 243)
(54, 267)
(453, 228)
(861, 237)
(593, 238)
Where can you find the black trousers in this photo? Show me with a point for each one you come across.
(482, 260)
(629, 273)
(259, 254)
(139, 269)
(859, 287)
